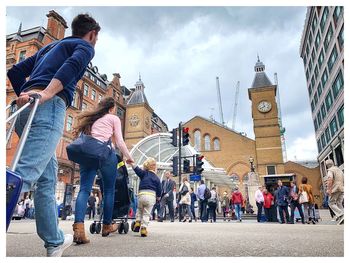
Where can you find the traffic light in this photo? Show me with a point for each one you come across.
(185, 136)
(199, 164)
(174, 137)
(186, 166)
(175, 165)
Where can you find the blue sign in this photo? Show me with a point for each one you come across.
(195, 177)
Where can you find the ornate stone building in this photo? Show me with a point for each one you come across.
(225, 148)
(141, 120)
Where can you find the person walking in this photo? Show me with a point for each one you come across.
(91, 206)
(150, 190)
(306, 198)
(237, 201)
(225, 205)
(268, 204)
(335, 190)
(282, 194)
(203, 202)
(185, 200)
(167, 198)
(294, 202)
(212, 205)
(259, 199)
(52, 73)
(102, 125)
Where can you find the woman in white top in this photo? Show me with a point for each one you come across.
(185, 199)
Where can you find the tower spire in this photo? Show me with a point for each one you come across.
(19, 31)
(139, 76)
(257, 54)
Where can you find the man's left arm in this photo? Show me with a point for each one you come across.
(329, 182)
(19, 72)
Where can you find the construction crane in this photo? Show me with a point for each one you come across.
(282, 129)
(219, 101)
(235, 106)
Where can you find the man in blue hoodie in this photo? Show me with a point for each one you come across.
(53, 73)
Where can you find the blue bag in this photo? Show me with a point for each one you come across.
(89, 151)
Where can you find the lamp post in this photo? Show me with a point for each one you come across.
(252, 166)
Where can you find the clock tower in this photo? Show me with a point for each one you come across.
(138, 121)
(266, 127)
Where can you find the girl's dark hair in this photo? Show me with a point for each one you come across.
(87, 118)
(83, 24)
(304, 180)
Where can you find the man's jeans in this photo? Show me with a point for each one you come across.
(87, 176)
(259, 205)
(238, 211)
(285, 209)
(38, 165)
(203, 210)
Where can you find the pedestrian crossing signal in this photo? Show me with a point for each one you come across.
(174, 137)
(199, 164)
(175, 165)
(186, 166)
(185, 136)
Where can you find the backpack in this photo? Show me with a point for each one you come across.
(207, 194)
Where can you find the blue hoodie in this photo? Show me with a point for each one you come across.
(65, 60)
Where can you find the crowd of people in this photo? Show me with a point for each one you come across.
(52, 74)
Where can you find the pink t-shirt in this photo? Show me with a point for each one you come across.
(108, 126)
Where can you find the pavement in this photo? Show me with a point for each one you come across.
(196, 239)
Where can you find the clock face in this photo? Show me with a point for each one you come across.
(264, 106)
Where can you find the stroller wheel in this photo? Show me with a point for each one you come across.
(126, 227)
(120, 228)
(98, 228)
(93, 228)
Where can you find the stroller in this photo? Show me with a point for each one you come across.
(122, 201)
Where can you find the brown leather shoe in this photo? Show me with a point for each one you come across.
(107, 229)
(79, 234)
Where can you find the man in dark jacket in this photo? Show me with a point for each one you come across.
(53, 73)
(167, 198)
(294, 202)
(282, 194)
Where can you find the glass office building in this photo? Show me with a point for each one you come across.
(322, 51)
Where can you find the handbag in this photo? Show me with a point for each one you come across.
(87, 150)
(303, 198)
(184, 190)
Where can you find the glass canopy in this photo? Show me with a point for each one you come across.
(160, 148)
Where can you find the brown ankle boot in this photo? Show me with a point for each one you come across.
(79, 234)
(107, 229)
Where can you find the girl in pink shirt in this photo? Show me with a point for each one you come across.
(101, 124)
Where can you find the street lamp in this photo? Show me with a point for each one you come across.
(252, 166)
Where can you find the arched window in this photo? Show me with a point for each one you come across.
(197, 140)
(216, 144)
(207, 142)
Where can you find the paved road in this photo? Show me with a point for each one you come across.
(193, 239)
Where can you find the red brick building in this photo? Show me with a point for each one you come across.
(90, 89)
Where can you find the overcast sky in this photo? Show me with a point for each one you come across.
(179, 51)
